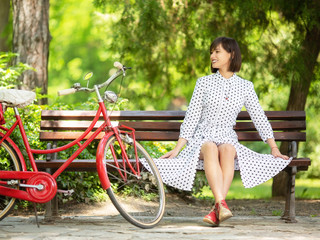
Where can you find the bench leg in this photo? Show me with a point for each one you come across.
(52, 212)
(290, 209)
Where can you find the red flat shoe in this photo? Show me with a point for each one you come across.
(223, 211)
(212, 218)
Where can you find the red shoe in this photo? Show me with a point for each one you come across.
(223, 211)
(212, 218)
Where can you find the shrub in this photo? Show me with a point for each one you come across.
(9, 74)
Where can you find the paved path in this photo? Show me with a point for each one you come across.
(86, 227)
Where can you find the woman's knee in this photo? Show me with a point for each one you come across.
(227, 149)
(209, 146)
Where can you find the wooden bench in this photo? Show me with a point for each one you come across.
(165, 126)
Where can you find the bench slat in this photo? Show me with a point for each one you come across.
(91, 163)
(300, 162)
(115, 115)
(162, 126)
(77, 164)
(157, 115)
(172, 136)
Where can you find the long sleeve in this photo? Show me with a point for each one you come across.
(194, 111)
(257, 114)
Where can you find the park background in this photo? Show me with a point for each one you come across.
(167, 45)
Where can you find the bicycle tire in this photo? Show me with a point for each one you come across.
(140, 201)
(8, 162)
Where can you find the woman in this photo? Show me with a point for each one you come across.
(212, 144)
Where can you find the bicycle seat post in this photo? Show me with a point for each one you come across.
(16, 112)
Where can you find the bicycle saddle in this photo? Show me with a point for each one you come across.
(16, 98)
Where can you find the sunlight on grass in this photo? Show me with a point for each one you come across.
(305, 189)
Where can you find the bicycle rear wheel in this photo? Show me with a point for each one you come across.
(8, 162)
(140, 200)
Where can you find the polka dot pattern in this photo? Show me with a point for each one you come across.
(211, 116)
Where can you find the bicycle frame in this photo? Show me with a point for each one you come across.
(28, 176)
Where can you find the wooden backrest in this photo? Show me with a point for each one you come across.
(165, 125)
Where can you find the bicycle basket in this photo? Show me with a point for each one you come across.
(2, 121)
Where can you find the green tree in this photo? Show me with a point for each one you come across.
(77, 46)
(31, 39)
(4, 22)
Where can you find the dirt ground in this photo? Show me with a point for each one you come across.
(181, 205)
(178, 205)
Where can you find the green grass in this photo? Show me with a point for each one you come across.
(305, 189)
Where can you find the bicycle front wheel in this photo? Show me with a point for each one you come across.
(139, 199)
(8, 162)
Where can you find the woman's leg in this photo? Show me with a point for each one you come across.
(219, 169)
(227, 153)
(213, 170)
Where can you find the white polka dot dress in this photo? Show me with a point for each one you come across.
(211, 116)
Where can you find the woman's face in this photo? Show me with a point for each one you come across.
(220, 58)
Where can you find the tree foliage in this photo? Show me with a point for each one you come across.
(168, 41)
(9, 73)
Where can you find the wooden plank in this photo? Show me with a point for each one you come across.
(172, 136)
(115, 115)
(279, 136)
(276, 126)
(78, 164)
(162, 126)
(156, 115)
(83, 125)
(277, 115)
(300, 162)
(68, 125)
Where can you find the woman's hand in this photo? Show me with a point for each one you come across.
(173, 153)
(276, 153)
(275, 150)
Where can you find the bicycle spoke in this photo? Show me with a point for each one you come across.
(121, 169)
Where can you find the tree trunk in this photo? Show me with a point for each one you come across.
(298, 94)
(4, 20)
(31, 39)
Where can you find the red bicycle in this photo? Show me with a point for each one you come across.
(126, 171)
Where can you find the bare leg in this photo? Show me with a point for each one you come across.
(213, 170)
(219, 169)
(227, 154)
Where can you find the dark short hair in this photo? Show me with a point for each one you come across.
(231, 46)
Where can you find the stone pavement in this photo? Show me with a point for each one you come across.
(90, 227)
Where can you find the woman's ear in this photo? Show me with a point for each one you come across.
(232, 55)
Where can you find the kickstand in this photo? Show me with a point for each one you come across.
(36, 214)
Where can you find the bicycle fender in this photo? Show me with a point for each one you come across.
(101, 167)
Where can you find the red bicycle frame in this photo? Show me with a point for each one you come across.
(49, 181)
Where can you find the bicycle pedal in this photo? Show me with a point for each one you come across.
(66, 192)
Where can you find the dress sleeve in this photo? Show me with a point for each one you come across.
(257, 114)
(193, 113)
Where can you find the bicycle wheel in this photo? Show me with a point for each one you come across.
(8, 162)
(140, 200)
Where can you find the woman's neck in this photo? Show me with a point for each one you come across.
(226, 74)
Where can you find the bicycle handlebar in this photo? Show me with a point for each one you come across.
(118, 65)
(77, 87)
(66, 91)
